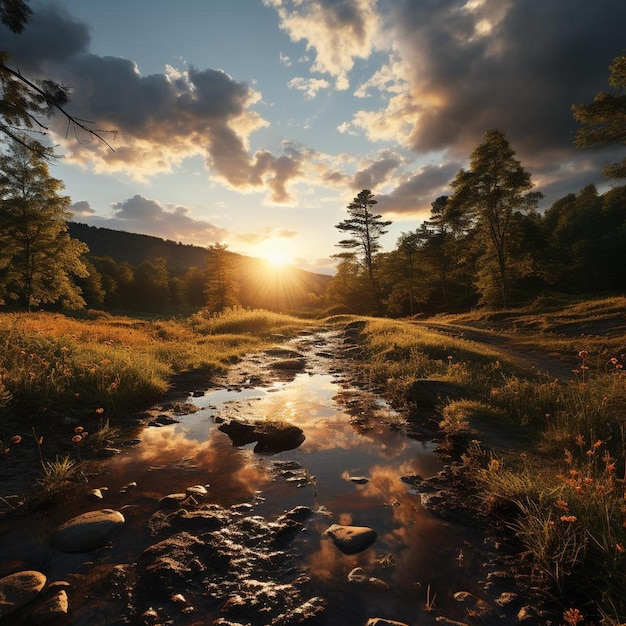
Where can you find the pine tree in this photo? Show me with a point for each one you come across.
(38, 258)
(366, 229)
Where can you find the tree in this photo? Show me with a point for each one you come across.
(38, 258)
(495, 186)
(220, 288)
(604, 120)
(366, 229)
(24, 103)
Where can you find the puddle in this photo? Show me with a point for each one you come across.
(413, 550)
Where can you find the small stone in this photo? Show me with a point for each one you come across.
(506, 598)
(52, 609)
(299, 513)
(358, 575)
(198, 491)
(478, 606)
(381, 621)
(95, 495)
(172, 500)
(150, 617)
(128, 486)
(88, 531)
(19, 589)
(359, 480)
(351, 539)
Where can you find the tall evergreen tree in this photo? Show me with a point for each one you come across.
(365, 229)
(38, 258)
(495, 186)
(603, 122)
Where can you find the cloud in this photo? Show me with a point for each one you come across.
(412, 197)
(377, 172)
(160, 119)
(309, 86)
(337, 31)
(472, 66)
(263, 234)
(143, 215)
(81, 209)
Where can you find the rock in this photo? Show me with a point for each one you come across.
(240, 433)
(197, 491)
(150, 617)
(273, 439)
(381, 621)
(270, 438)
(19, 589)
(359, 480)
(172, 500)
(88, 531)
(507, 598)
(128, 486)
(478, 607)
(351, 539)
(299, 513)
(52, 609)
(291, 365)
(94, 495)
(358, 575)
(166, 420)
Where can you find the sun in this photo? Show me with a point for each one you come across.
(277, 258)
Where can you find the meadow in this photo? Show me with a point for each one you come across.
(554, 479)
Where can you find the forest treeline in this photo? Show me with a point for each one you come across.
(484, 244)
(133, 273)
(575, 248)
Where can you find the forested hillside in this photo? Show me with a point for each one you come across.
(138, 273)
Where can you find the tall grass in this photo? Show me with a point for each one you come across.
(53, 366)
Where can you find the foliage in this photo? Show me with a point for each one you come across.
(603, 122)
(365, 229)
(38, 259)
(220, 289)
(489, 193)
(25, 103)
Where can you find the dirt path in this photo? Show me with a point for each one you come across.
(527, 356)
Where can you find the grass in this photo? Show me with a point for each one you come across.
(560, 483)
(564, 495)
(58, 371)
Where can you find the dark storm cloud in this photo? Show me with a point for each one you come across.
(50, 36)
(513, 65)
(162, 118)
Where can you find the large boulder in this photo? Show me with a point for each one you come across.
(351, 539)
(19, 589)
(88, 531)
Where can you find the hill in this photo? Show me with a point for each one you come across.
(260, 285)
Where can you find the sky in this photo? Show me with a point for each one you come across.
(254, 123)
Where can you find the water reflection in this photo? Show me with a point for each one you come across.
(413, 550)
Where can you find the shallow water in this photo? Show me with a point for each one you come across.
(414, 550)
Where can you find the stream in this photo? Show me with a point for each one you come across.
(348, 470)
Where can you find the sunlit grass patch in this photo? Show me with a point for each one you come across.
(249, 321)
